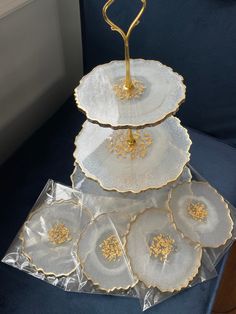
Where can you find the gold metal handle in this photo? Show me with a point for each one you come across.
(128, 80)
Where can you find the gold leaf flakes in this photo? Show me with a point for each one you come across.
(59, 234)
(120, 145)
(197, 211)
(126, 94)
(161, 246)
(111, 248)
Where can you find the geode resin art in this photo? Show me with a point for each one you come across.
(138, 220)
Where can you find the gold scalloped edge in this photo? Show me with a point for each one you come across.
(90, 176)
(138, 127)
(228, 212)
(74, 187)
(122, 239)
(196, 246)
(22, 238)
(76, 166)
(125, 126)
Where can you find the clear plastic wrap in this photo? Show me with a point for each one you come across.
(95, 239)
(207, 270)
(216, 254)
(15, 257)
(46, 247)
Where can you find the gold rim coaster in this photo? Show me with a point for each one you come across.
(163, 93)
(50, 234)
(159, 255)
(160, 162)
(201, 213)
(101, 253)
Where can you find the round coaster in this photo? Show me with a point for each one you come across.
(201, 213)
(101, 201)
(50, 234)
(159, 255)
(156, 159)
(101, 253)
(160, 91)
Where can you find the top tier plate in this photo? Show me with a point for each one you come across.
(160, 91)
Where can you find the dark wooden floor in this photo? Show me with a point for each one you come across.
(226, 296)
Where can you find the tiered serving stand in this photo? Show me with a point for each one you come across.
(131, 141)
(140, 216)
(132, 149)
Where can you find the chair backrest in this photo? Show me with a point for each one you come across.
(197, 38)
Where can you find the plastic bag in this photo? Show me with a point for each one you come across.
(80, 239)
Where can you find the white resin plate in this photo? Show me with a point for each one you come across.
(169, 272)
(101, 201)
(212, 229)
(163, 163)
(103, 270)
(164, 92)
(45, 255)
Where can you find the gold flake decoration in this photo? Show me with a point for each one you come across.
(111, 248)
(161, 246)
(123, 93)
(198, 211)
(120, 145)
(59, 234)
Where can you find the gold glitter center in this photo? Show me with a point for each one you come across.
(197, 211)
(119, 144)
(161, 246)
(123, 93)
(59, 234)
(111, 248)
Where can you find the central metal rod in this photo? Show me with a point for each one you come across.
(125, 35)
(131, 139)
(128, 80)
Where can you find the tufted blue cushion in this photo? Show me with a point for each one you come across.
(195, 37)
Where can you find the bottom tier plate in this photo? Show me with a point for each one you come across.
(101, 201)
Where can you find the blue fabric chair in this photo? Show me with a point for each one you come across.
(196, 39)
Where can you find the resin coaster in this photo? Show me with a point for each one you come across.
(156, 159)
(101, 253)
(157, 93)
(101, 201)
(159, 255)
(201, 213)
(50, 234)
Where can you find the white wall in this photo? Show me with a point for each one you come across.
(40, 64)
